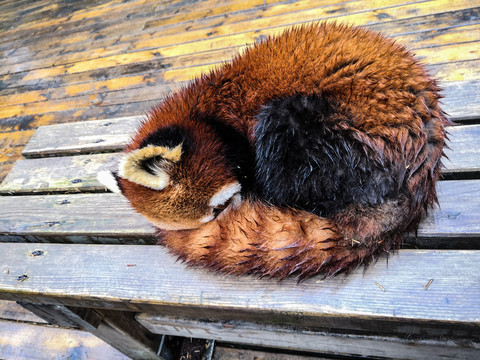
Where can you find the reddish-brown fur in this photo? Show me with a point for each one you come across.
(382, 96)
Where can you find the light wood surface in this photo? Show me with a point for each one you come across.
(78, 173)
(68, 62)
(21, 341)
(113, 59)
(391, 298)
(109, 218)
(289, 338)
(10, 310)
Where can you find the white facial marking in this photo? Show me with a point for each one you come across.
(225, 194)
(107, 179)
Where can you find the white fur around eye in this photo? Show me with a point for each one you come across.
(224, 194)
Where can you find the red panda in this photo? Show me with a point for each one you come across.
(311, 153)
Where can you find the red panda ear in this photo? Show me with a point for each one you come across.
(149, 166)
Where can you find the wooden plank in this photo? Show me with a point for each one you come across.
(106, 15)
(83, 217)
(83, 137)
(463, 154)
(26, 342)
(354, 13)
(418, 24)
(462, 100)
(226, 351)
(153, 82)
(77, 114)
(79, 173)
(118, 329)
(73, 216)
(245, 333)
(148, 279)
(78, 38)
(10, 310)
(62, 174)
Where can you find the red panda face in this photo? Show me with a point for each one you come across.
(178, 179)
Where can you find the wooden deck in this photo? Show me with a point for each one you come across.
(82, 72)
(70, 61)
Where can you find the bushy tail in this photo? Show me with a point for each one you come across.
(369, 189)
(256, 238)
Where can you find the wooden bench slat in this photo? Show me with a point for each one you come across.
(292, 339)
(58, 174)
(78, 173)
(72, 216)
(112, 135)
(81, 217)
(389, 297)
(22, 341)
(10, 310)
(463, 154)
(352, 13)
(461, 99)
(81, 137)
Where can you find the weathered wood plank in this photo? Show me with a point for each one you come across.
(79, 173)
(83, 137)
(60, 174)
(79, 37)
(10, 310)
(21, 341)
(148, 279)
(440, 22)
(72, 216)
(460, 105)
(89, 17)
(118, 329)
(462, 99)
(463, 154)
(79, 114)
(326, 343)
(354, 13)
(226, 351)
(109, 218)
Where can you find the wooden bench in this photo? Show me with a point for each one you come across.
(77, 255)
(80, 258)
(25, 336)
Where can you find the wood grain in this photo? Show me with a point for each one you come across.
(62, 174)
(109, 218)
(118, 329)
(78, 173)
(82, 137)
(239, 332)
(226, 351)
(148, 279)
(73, 216)
(26, 342)
(463, 154)
(10, 310)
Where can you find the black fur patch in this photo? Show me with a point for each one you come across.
(170, 137)
(303, 159)
(238, 151)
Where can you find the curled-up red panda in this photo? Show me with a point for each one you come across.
(311, 153)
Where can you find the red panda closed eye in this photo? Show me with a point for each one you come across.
(309, 153)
